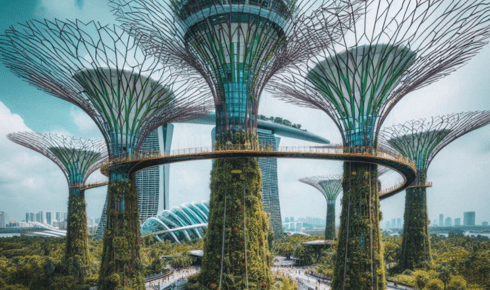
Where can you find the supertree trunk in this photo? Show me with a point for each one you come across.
(415, 250)
(360, 262)
(121, 265)
(236, 251)
(330, 224)
(76, 252)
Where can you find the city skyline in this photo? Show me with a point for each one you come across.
(25, 175)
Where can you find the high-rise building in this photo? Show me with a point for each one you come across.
(40, 217)
(291, 219)
(58, 216)
(388, 224)
(27, 217)
(435, 223)
(393, 223)
(399, 223)
(65, 216)
(469, 218)
(484, 224)
(270, 190)
(286, 220)
(32, 217)
(448, 222)
(49, 217)
(441, 220)
(457, 222)
(3, 219)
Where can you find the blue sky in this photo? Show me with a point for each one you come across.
(30, 182)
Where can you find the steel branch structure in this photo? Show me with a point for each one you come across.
(396, 47)
(77, 158)
(236, 46)
(330, 187)
(103, 70)
(421, 140)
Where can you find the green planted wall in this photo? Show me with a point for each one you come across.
(236, 251)
(77, 252)
(121, 267)
(415, 249)
(330, 226)
(359, 261)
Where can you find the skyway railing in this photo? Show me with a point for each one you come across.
(330, 149)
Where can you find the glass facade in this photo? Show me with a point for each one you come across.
(186, 222)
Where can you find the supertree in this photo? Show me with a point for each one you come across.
(102, 70)
(330, 187)
(397, 47)
(235, 46)
(77, 158)
(421, 140)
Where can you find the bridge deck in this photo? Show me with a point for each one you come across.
(404, 166)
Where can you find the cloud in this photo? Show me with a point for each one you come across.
(29, 181)
(83, 122)
(85, 10)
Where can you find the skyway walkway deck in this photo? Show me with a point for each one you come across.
(404, 166)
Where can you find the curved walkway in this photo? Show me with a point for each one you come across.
(380, 156)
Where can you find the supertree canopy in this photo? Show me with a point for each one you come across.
(77, 158)
(235, 46)
(421, 140)
(330, 187)
(396, 47)
(102, 70)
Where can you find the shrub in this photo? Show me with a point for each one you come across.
(435, 284)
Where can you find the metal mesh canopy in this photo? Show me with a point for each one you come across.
(236, 46)
(329, 186)
(77, 158)
(102, 70)
(397, 47)
(177, 224)
(421, 140)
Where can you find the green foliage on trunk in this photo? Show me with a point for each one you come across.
(330, 225)
(121, 267)
(237, 212)
(76, 261)
(415, 250)
(359, 261)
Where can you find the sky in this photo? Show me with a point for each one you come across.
(29, 182)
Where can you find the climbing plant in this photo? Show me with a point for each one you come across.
(236, 251)
(121, 265)
(359, 260)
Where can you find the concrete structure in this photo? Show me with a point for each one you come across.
(469, 218)
(399, 223)
(49, 218)
(441, 220)
(484, 224)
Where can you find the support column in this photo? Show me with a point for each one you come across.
(415, 249)
(121, 265)
(236, 251)
(360, 262)
(76, 252)
(330, 221)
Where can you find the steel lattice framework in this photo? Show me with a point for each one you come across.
(421, 140)
(102, 70)
(77, 158)
(236, 46)
(330, 187)
(398, 47)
